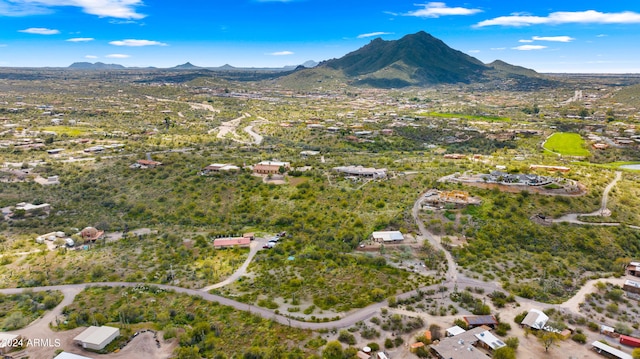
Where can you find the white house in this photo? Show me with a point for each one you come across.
(535, 319)
(387, 236)
(96, 338)
(65, 355)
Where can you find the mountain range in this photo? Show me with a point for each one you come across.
(188, 66)
(414, 60)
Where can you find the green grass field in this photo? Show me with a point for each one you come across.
(568, 144)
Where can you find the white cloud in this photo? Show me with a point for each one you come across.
(529, 47)
(565, 17)
(553, 38)
(118, 56)
(91, 57)
(137, 43)
(122, 22)
(473, 51)
(281, 53)
(3, 45)
(548, 38)
(437, 9)
(602, 35)
(40, 31)
(372, 34)
(81, 39)
(123, 9)
(498, 48)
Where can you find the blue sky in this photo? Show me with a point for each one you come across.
(548, 36)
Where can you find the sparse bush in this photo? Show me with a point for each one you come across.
(388, 343)
(346, 337)
(579, 338)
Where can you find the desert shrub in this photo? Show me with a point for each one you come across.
(579, 338)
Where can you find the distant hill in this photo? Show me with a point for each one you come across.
(414, 60)
(186, 66)
(309, 64)
(225, 67)
(512, 69)
(95, 66)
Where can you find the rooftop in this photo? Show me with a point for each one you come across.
(388, 236)
(65, 355)
(95, 335)
(535, 319)
(632, 283)
(601, 347)
(461, 346)
(481, 320)
(490, 340)
(455, 330)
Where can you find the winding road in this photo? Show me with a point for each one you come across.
(228, 130)
(453, 279)
(452, 273)
(602, 212)
(255, 246)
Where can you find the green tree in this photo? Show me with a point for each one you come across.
(611, 116)
(504, 353)
(583, 112)
(635, 354)
(333, 350)
(548, 339)
(512, 342)
(461, 323)
(346, 337)
(423, 352)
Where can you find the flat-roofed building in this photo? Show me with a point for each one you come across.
(65, 355)
(8, 342)
(232, 242)
(387, 236)
(609, 351)
(270, 167)
(480, 320)
(634, 269)
(489, 341)
(218, 167)
(632, 289)
(461, 346)
(96, 338)
(453, 331)
(360, 171)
